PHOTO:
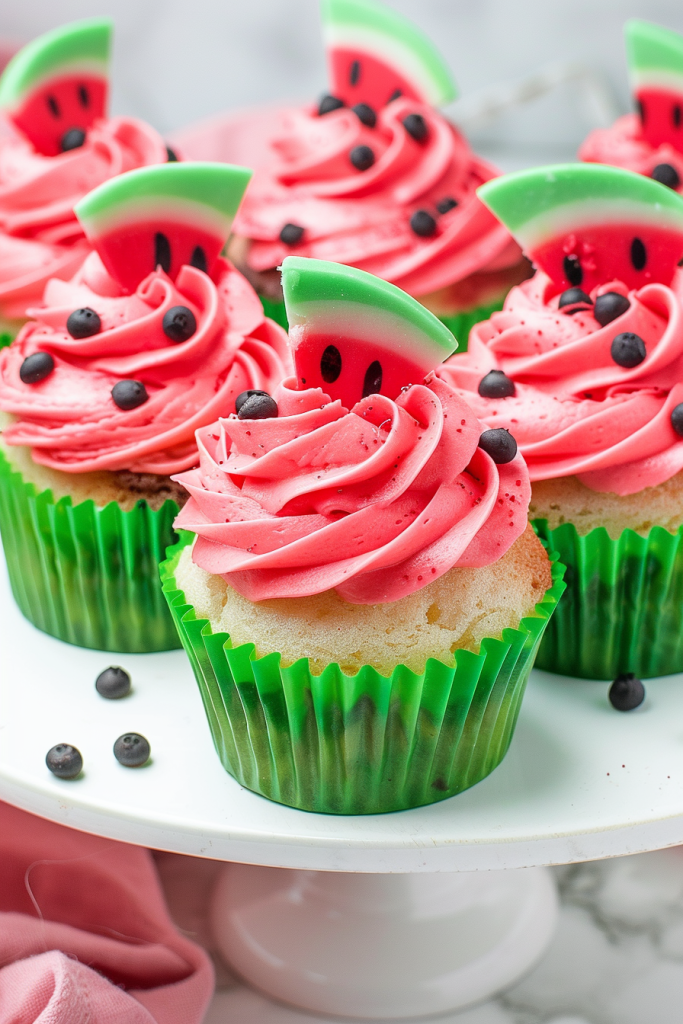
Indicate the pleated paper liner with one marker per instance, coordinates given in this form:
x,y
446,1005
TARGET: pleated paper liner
x,y
361,744
622,610
460,324
84,574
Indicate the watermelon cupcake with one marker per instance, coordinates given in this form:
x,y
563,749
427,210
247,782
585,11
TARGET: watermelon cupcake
x,y
364,597
373,176
155,336
649,142
56,145
585,366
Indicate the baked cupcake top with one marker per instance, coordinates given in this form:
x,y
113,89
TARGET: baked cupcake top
x,y
58,144
585,362
154,337
649,142
341,479
374,176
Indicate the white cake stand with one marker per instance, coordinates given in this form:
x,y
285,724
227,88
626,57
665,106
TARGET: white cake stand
x,y
384,916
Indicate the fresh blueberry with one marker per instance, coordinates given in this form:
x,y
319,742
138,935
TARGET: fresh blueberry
x,y
171,155
416,126
572,297
257,406
609,306
495,384
677,418
36,367
666,175
499,444
83,323
628,349
129,394
626,692
422,223
328,104
64,761
242,398
72,139
113,683
365,114
362,157
291,234
179,323
132,750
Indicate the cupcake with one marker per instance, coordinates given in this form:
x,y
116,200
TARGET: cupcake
x,y
56,145
649,142
358,590
585,366
374,176
155,336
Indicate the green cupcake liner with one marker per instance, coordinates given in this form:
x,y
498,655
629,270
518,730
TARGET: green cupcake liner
x,y
5,339
460,324
361,744
84,574
622,610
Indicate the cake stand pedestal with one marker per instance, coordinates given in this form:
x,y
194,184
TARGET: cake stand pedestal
x,y
382,916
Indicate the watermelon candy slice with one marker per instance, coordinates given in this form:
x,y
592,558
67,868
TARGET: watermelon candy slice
x,y
55,88
353,334
655,60
588,224
167,215
374,54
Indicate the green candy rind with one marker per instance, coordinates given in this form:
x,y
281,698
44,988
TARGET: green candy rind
x,y
654,54
362,744
546,202
202,193
332,297
385,34
82,46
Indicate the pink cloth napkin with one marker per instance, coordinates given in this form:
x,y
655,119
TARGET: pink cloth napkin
x,y
85,936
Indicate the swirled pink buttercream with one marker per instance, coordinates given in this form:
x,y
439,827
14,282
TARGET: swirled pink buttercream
x,y
70,420
40,237
375,502
623,145
363,217
576,411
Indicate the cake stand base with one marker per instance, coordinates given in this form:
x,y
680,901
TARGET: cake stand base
x,y
382,946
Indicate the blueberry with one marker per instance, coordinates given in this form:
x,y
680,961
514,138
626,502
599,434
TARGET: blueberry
x,y
129,394
626,692
677,418
628,349
36,367
64,761
83,323
132,750
609,306
241,398
496,385
499,444
446,204
328,104
416,126
291,234
113,683
666,175
171,155
572,270
179,323
572,297
258,406
362,157
72,139
422,223
365,114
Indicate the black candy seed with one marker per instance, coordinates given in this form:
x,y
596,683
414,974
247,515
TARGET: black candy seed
x,y
132,750
83,96
162,252
72,139
129,394
395,95
496,385
572,270
54,106
499,444
573,296
372,383
422,223
676,115
330,364
258,406
36,367
416,126
64,761
179,323
362,157
666,175
83,323
677,418
354,73
328,104
609,306
244,395
626,692
365,114
171,155
291,234
638,254
446,204
198,259
628,349
113,683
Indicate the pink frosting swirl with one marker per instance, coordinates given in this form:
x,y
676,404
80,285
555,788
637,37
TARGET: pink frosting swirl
x,y
623,145
70,420
576,411
40,237
362,218
375,502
